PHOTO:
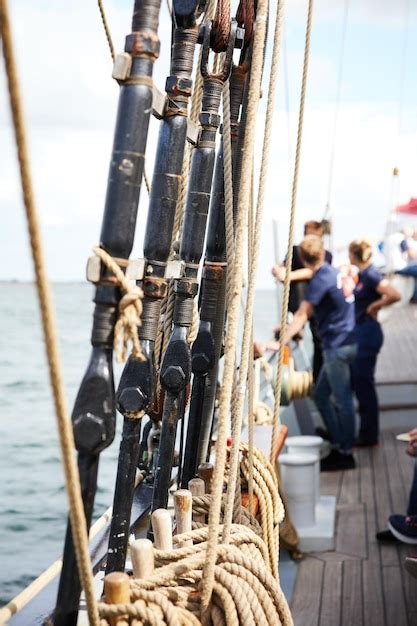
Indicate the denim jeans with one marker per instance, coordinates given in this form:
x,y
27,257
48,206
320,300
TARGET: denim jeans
x,y
412,503
370,340
334,396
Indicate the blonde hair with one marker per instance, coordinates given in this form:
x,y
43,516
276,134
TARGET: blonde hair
x,y
311,249
361,249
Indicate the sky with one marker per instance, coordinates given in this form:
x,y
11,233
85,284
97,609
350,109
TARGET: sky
x,y
70,103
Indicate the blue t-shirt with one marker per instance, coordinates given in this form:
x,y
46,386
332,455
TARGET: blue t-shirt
x,y
331,294
365,292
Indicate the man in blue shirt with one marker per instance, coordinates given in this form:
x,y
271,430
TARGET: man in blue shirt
x,y
330,298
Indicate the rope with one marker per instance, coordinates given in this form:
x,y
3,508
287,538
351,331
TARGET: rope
x,y
328,212
244,592
76,510
276,424
130,310
106,29
228,186
254,254
113,56
233,310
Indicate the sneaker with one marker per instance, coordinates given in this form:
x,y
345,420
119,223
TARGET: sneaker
x,y
404,527
323,433
337,461
386,536
410,565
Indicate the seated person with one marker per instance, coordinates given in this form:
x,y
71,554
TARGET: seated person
x,y
404,527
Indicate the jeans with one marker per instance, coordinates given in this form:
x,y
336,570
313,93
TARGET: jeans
x,y
412,503
334,397
370,340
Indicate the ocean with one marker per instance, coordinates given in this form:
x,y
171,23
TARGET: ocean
x,y
33,508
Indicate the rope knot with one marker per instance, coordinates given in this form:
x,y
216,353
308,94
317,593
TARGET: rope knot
x,y
130,311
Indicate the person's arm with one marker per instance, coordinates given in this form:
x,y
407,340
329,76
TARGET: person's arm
x,y
302,274
301,316
388,294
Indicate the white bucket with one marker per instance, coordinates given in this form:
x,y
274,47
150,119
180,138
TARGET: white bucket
x,y
307,444
298,476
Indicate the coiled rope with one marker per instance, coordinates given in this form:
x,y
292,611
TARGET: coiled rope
x,y
66,438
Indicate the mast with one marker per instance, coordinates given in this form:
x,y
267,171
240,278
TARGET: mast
x,y
94,412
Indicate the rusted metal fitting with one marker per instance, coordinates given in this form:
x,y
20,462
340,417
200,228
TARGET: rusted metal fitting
x,y
186,287
143,43
209,119
178,85
214,272
155,287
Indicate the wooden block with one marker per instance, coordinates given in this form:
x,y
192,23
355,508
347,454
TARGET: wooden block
x,y
117,591
205,471
198,488
143,561
183,513
162,529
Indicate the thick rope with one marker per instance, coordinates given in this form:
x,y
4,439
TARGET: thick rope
x,y
106,29
233,309
244,591
130,311
284,312
228,186
76,509
257,231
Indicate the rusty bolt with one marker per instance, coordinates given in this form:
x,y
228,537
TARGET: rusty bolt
x,y
209,119
178,85
173,378
143,43
131,400
89,433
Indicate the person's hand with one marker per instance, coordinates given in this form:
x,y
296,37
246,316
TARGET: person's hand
x,y
412,445
258,349
373,309
279,272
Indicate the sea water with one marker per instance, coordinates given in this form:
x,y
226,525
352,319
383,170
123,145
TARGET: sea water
x,y
33,504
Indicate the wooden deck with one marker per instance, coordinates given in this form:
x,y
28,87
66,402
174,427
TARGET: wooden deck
x,y
397,362
362,583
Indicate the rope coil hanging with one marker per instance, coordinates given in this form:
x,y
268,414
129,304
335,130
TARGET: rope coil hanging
x,y
130,310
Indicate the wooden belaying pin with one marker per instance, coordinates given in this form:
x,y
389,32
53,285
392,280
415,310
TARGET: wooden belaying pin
x,y
183,505
143,561
162,529
205,471
117,591
198,488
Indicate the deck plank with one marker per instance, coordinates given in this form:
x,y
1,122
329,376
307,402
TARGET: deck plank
x,y
306,599
349,489
352,599
331,604
350,534
397,360
394,597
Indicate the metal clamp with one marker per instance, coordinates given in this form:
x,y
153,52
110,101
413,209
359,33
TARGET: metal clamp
x,y
134,268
